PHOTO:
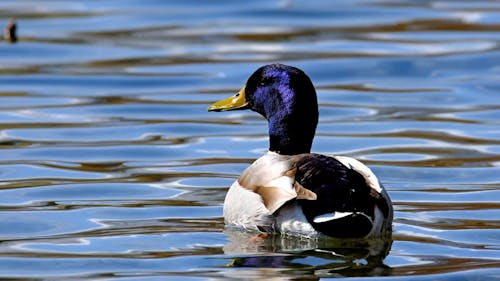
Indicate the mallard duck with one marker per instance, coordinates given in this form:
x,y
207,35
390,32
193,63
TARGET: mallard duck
x,y
290,190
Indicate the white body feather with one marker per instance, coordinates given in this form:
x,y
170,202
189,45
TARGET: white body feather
x,y
244,208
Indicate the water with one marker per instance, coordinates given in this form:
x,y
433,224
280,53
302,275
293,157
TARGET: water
x,y
112,168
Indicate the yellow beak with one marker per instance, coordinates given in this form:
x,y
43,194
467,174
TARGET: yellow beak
x,y
234,102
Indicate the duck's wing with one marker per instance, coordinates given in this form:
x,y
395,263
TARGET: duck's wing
x,y
350,200
261,190
273,178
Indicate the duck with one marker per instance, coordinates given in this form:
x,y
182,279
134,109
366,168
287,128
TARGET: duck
x,y
290,190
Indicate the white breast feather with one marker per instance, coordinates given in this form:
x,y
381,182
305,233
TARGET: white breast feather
x,y
244,208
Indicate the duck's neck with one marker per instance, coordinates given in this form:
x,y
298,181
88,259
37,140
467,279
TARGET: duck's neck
x,y
292,134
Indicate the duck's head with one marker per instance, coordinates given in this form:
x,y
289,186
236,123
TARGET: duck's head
x,y
285,96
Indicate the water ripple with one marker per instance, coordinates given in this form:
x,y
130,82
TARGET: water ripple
x,y
112,168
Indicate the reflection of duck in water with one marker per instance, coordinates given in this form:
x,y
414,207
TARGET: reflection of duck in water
x,y
311,258
290,190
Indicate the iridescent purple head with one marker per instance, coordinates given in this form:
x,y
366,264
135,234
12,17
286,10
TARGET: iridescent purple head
x,y
285,96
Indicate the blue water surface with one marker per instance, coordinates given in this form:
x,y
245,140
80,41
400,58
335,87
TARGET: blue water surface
x,y
112,168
